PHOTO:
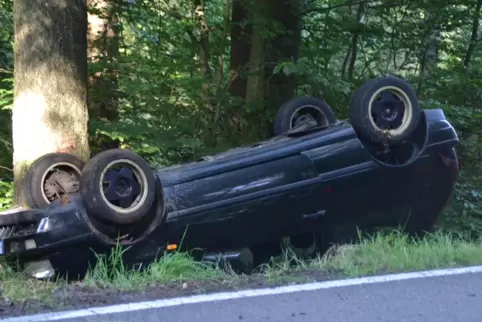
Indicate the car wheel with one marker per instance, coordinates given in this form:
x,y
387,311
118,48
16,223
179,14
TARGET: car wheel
x,y
385,110
303,110
50,178
118,186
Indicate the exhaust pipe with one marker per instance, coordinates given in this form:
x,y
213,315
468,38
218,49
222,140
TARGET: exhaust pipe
x,y
241,261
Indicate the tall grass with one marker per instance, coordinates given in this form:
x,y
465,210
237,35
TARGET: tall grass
x,y
381,253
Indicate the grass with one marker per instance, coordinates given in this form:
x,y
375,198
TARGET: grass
x,y
18,287
382,253
111,273
396,252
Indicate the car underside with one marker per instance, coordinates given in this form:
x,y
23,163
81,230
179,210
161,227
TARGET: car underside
x,y
316,184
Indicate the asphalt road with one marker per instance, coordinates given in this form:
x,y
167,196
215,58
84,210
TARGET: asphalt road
x,y
448,298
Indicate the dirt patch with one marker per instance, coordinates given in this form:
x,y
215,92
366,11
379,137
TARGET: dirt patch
x,y
76,296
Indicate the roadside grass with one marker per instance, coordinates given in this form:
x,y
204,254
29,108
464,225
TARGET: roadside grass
x,y
382,253
110,272
18,286
396,252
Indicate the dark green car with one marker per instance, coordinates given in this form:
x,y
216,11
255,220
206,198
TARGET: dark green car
x,y
389,165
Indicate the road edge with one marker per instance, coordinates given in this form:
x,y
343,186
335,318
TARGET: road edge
x,y
222,296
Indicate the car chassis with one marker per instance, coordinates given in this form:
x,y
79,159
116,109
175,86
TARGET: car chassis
x,y
307,180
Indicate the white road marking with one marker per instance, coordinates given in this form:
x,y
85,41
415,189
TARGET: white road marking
x,y
130,307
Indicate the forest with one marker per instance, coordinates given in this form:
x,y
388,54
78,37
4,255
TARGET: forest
x,y
174,80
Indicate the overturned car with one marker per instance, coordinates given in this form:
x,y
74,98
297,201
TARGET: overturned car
x,y
390,165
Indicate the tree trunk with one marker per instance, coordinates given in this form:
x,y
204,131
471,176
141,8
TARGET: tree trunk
x,y
255,82
278,88
474,35
354,40
203,42
283,47
429,58
50,110
240,47
103,44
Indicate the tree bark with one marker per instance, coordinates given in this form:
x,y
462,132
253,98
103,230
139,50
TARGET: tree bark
x,y
50,90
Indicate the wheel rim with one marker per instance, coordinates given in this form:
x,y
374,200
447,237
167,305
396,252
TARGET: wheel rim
x,y
390,110
56,175
308,114
123,186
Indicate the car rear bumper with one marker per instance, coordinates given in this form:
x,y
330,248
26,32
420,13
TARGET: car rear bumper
x,y
45,241
57,241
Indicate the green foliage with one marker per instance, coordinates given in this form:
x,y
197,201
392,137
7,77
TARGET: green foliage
x,y
175,105
465,213
6,100
162,113
6,194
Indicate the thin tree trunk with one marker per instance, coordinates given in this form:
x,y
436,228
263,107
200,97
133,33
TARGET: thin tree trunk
x,y
345,61
284,47
429,51
50,110
354,42
103,46
219,91
474,35
240,47
255,84
204,40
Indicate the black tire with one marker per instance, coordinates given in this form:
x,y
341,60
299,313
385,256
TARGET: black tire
x,y
41,188
96,202
361,109
318,108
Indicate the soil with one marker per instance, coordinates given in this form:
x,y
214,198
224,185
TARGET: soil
x,y
76,296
